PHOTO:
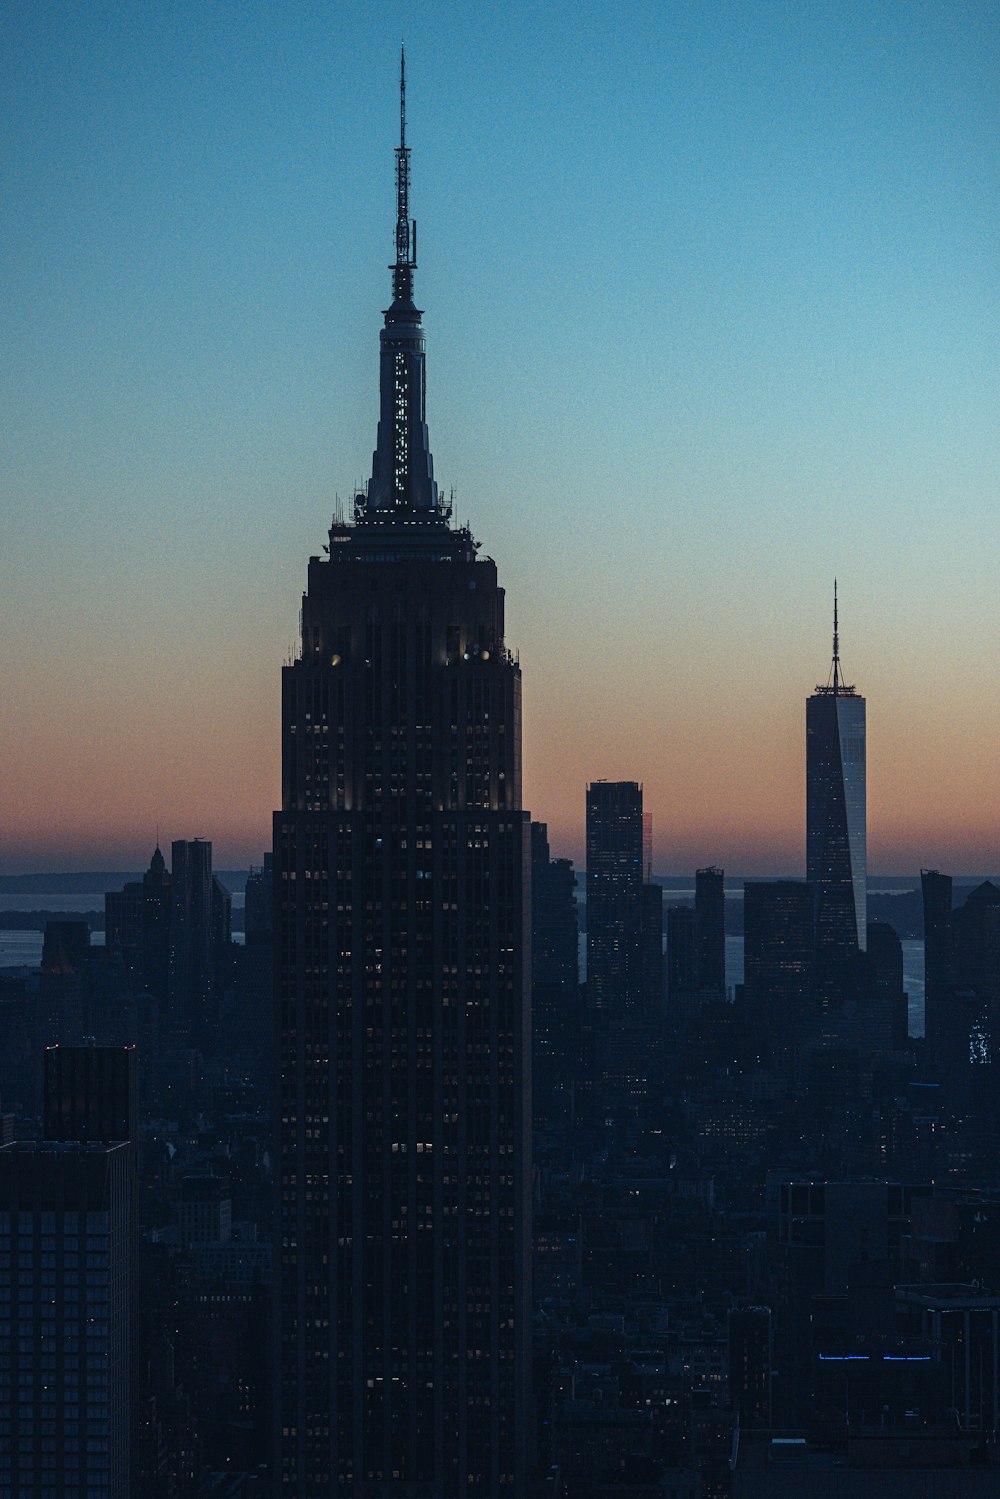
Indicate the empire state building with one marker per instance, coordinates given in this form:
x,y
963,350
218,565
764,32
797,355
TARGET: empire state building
x,y
402,1011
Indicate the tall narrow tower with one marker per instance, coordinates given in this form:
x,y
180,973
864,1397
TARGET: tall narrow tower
x,y
402,983
836,854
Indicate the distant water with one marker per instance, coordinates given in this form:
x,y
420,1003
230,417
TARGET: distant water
x,y
90,900
24,949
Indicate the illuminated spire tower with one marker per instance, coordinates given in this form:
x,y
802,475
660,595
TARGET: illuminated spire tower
x,y
402,480
836,856
402,1014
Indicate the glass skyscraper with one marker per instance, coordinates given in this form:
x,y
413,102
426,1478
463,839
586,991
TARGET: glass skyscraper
x,y
836,838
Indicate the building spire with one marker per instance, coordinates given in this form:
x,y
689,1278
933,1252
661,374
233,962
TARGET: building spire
x,y
402,485
406,229
835,684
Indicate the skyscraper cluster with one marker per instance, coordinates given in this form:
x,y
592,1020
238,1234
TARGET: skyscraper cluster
x,y
383,1201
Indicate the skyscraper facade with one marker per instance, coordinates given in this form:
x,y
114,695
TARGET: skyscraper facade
x,y
191,980
402,1009
836,840
614,900
555,976
778,964
66,1307
710,929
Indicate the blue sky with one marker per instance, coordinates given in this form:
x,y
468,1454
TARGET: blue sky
x,y
711,301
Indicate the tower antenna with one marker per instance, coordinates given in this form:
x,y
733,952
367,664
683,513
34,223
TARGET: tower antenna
x,y
836,643
406,247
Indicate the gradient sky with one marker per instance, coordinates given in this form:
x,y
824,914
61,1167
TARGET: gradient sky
x,y
711,300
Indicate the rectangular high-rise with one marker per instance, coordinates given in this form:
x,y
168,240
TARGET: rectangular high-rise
x,y
614,901
555,977
836,839
90,1093
403,1032
779,963
191,981
710,930
66,1308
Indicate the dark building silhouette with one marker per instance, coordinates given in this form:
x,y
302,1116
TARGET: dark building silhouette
x,y
191,984
401,857
248,1029
836,857
90,1096
962,979
710,929
259,900
614,900
137,929
65,947
156,906
749,1348
977,970
123,912
939,933
200,938
554,922
778,963
977,943
681,950
65,1233
90,1093
652,951
885,979
555,978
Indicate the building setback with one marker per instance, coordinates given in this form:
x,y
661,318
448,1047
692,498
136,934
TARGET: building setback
x,y
402,1012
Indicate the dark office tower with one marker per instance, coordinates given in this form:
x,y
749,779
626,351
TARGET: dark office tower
x,y
749,1342
614,900
939,932
123,926
836,859
778,962
90,1096
65,947
944,1015
401,858
710,929
156,928
652,951
258,906
884,980
681,950
192,933
66,1298
554,924
555,977
977,943
647,847
90,1093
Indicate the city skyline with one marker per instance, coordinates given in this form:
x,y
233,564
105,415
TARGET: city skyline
x,y
738,294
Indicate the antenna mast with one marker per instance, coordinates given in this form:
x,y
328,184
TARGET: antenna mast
x,y
836,644
406,247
